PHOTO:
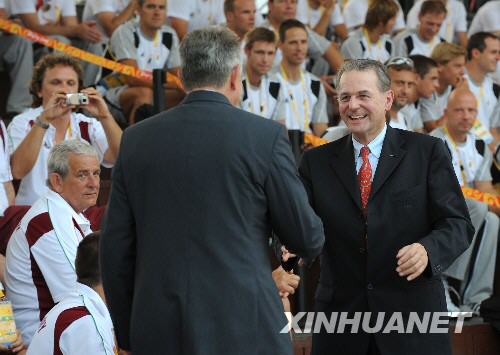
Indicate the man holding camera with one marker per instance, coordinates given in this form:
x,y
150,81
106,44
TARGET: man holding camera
x,y
52,120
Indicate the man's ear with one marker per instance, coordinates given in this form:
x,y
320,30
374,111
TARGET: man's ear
x,y
389,100
235,77
56,182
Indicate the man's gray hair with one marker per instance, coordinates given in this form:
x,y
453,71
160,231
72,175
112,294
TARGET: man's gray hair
x,y
208,55
58,161
383,82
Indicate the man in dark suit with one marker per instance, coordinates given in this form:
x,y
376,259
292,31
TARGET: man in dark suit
x,y
394,218
196,192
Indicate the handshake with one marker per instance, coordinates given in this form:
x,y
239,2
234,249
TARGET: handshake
x,y
284,278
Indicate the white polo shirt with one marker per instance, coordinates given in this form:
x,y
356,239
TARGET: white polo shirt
x,y
355,14
79,324
302,105
33,184
198,13
95,7
486,99
267,100
50,12
409,43
358,46
400,123
5,173
486,18
311,17
39,268
455,21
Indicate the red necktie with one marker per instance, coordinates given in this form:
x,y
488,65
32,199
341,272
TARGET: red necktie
x,y
365,177
39,4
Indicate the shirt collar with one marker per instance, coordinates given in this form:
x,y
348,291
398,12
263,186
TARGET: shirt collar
x,y
62,203
375,145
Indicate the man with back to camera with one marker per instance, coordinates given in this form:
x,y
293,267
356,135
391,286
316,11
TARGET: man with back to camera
x,y
196,235
394,216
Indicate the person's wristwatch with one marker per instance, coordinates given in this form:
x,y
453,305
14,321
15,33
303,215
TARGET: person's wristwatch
x,y
39,123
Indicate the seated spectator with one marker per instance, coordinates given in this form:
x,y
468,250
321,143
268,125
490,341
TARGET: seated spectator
x,y
262,92
40,260
454,27
57,18
471,163
427,82
188,15
483,52
372,41
147,44
52,120
424,38
324,17
16,53
451,65
355,15
7,194
108,15
402,74
240,16
80,323
305,96
318,46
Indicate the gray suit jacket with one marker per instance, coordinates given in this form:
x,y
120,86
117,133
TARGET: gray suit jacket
x,y
184,252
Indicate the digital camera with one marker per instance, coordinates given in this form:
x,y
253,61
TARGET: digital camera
x,y
77,99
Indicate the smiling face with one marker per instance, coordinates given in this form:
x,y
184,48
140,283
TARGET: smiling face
x,y
430,24
403,85
80,187
362,105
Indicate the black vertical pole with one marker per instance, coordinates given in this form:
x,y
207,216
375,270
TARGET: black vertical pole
x,y
158,91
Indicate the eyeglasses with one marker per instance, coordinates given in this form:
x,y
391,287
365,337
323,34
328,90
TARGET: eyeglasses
x,y
399,61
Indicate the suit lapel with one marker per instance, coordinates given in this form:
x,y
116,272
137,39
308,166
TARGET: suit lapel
x,y
342,163
390,157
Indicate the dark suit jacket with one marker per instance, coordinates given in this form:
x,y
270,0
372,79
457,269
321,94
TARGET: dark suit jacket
x,y
415,197
185,255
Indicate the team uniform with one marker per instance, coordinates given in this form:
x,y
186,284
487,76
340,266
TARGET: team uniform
x,y
486,18
40,260
198,13
95,7
455,21
311,17
266,100
412,114
50,11
432,108
5,173
128,42
471,162
400,123
355,13
305,101
359,46
409,43
81,127
79,324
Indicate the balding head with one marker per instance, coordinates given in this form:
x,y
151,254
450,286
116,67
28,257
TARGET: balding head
x,y
461,111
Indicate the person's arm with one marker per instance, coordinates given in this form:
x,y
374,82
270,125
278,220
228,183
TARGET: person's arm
x,y
180,26
462,38
86,30
319,117
340,31
98,108
333,57
328,50
25,155
324,21
9,191
110,21
452,230
291,216
117,254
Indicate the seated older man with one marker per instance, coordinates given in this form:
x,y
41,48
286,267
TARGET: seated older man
x,y
40,265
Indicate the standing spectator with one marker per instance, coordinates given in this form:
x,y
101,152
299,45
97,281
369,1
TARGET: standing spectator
x,y
305,96
372,41
52,120
425,37
454,26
